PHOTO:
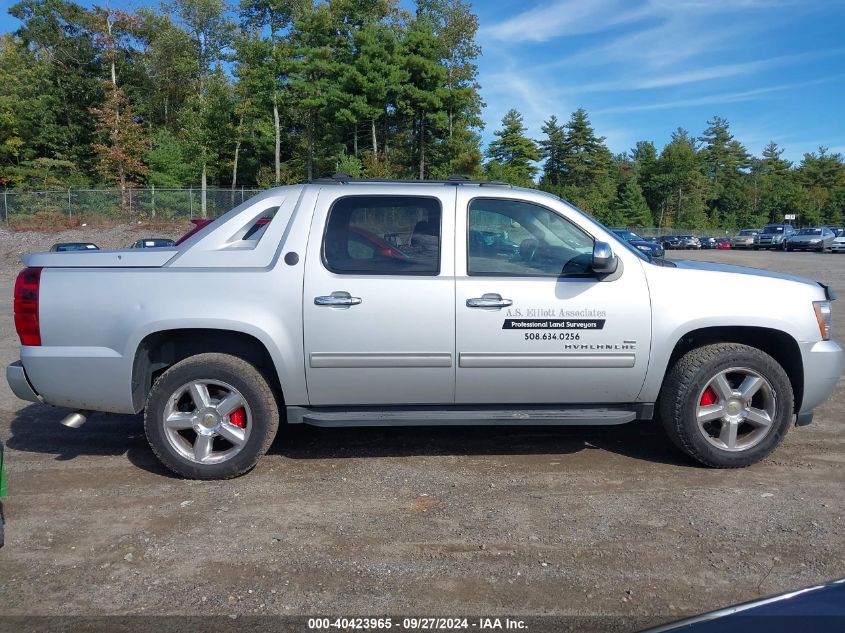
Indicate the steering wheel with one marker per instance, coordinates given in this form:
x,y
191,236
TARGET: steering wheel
x,y
528,249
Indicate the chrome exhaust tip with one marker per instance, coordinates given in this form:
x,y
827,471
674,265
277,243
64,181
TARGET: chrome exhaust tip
x,y
77,419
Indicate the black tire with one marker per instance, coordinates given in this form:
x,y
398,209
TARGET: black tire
x,y
691,374
244,377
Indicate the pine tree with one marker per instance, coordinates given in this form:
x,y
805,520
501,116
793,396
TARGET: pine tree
x,y
586,177
263,55
630,208
821,173
373,81
773,190
552,150
644,155
423,94
726,163
456,26
681,183
512,154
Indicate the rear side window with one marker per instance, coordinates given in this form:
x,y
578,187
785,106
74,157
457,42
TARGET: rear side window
x,y
383,235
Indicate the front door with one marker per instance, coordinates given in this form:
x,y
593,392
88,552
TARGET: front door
x,y
379,302
534,325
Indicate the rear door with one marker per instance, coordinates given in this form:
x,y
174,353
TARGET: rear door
x,y
379,297
534,325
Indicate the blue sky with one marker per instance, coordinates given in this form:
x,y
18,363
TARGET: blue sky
x,y
774,68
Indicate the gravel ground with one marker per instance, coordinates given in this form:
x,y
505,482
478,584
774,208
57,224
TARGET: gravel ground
x,y
580,521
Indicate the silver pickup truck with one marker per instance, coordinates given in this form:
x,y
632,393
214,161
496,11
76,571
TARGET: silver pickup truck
x,y
352,303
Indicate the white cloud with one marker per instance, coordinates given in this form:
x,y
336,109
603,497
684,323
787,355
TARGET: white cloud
x,y
560,18
649,81
728,97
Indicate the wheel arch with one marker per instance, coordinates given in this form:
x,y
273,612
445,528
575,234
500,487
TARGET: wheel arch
x,y
161,349
776,343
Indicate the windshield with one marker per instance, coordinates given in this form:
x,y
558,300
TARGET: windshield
x,y
627,235
768,230
747,232
810,232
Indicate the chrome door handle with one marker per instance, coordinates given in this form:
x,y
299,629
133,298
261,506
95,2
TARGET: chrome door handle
x,y
489,301
337,299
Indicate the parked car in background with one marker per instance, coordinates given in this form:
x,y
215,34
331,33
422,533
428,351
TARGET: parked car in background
x,y
649,248
723,243
744,239
774,236
689,241
65,247
816,238
155,242
198,224
671,242
707,242
838,245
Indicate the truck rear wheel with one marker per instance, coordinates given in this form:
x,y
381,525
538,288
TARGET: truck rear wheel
x,y
211,416
726,405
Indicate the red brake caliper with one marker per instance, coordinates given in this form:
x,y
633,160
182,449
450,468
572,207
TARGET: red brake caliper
x,y
238,418
708,397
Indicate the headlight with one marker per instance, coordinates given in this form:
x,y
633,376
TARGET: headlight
x,y
643,247
824,316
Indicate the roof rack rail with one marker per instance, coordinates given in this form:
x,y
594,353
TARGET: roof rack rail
x,y
455,179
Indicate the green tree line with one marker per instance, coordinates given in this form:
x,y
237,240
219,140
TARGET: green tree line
x,y
266,92
711,181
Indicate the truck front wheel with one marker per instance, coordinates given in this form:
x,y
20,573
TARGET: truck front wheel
x,y
211,416
726,405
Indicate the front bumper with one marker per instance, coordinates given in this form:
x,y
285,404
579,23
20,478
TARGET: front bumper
x,y
19,383
823,365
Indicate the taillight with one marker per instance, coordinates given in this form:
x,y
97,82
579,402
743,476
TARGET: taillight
x,y
26,306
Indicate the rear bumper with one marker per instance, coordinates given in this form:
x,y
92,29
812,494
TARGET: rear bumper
x,y
823,365
19,383
93,378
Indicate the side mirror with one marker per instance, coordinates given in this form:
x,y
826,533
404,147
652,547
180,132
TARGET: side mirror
x,y
604,261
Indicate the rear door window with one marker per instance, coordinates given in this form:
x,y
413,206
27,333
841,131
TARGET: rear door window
x,y
383,235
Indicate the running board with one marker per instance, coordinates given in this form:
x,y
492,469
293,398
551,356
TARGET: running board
x,y
467,416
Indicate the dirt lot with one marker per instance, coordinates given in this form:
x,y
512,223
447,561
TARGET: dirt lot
x,y
426,521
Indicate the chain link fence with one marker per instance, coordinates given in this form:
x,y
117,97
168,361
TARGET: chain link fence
x,y
154,204
120,206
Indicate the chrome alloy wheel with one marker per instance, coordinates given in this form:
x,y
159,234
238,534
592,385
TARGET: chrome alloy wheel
x,y
207,421
736,409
